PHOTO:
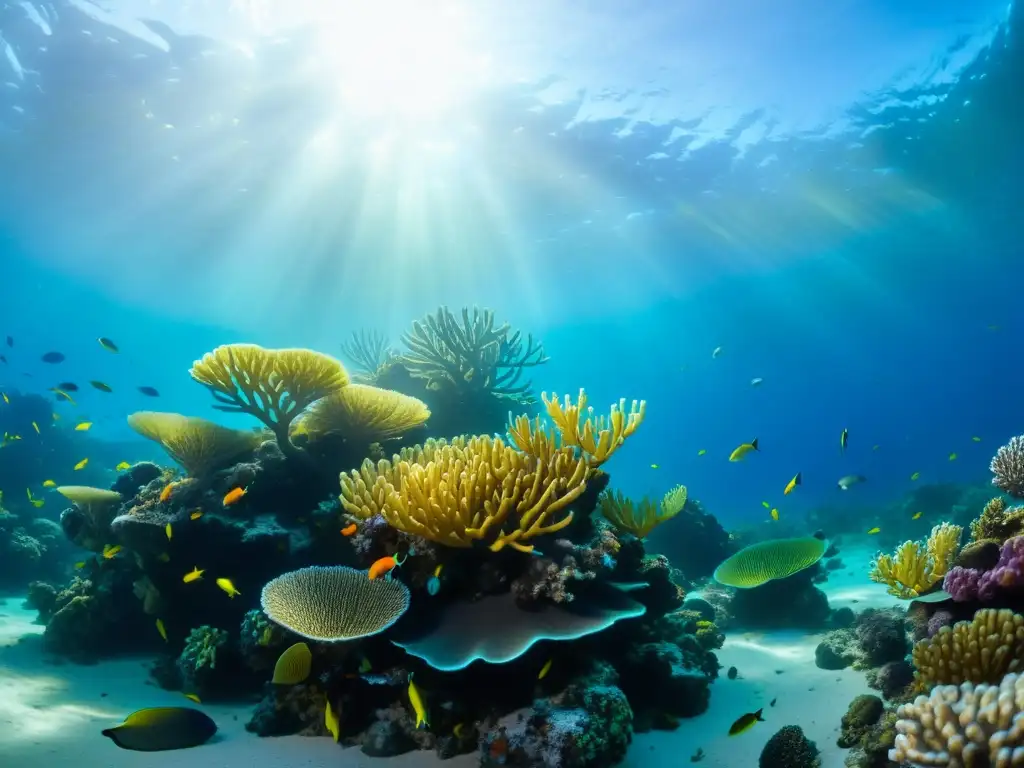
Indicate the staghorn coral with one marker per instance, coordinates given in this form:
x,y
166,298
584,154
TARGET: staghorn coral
x,y
597,438
274,385
642,518
978,651
198,445
769,560
998,522
467,491
1007,467
916,568
963,726
334,604
371,353
362,414
471,355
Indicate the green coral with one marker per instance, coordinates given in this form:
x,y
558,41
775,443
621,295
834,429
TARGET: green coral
x,y
202,646
863,713
708,635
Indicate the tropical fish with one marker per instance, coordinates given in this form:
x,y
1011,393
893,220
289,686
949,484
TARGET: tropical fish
x,y
697,756
797,479
101,386
233,496
917,516
459,730
350,529
775,514
107,344
757,381
654,466
6,398
161,629
847,482
702,451
766,505
53,357
874,530
976,439
772,702
167,531
844,438
162,728
915,476
228,587
82,464
952,457
331,720
33,500
716,352
192,697
149,391
60,393
123,466
36,428
745,722
875,447
732,673
383,566
165,494
80,565
196,515
49,484
545,669
743,449
83,426
194,575
417,705
110,552
293,665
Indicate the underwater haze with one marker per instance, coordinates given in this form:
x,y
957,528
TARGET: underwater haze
x,y
792,222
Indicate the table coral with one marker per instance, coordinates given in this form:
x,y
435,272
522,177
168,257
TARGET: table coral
x,y
978,651
198,445
362,414
915,568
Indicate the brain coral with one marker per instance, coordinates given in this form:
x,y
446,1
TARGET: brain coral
x,y
334,604
767,560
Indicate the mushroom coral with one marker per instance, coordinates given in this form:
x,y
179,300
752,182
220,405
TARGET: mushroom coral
x,y
198,445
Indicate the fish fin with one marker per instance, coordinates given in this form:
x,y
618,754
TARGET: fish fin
x,y
753,444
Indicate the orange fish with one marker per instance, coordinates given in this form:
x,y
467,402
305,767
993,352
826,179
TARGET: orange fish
x,y
165,494
233,495
384,566
348,530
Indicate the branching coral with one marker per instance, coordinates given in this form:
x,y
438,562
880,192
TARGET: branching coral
x,y
370,352
998,522
472,354
978,651
363,414
479,489
965,725
198,445
596,437
640,519
916,568
274,385
1008,467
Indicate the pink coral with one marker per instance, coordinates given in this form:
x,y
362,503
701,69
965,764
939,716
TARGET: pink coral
x,y
1008,467
967,584
962,583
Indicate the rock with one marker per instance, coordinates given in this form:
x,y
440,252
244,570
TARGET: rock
x,y
863,712
837,650
385,738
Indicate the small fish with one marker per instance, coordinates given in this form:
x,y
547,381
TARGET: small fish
x,y
654,466
874,447
53,357
716,352
49,484
545,669
67,386
743,449
62,395
915,476
459,730
83,426
874,530
917,516
6,398
757,381
365,666
110,552
228,587
745,722
149,391
163,557
844,439
82,464
161,728
196,515
194,575
36,428
123,466
55,415
331,720
348,530
772,702
265,637
433,584
101,386
775,514
976,439
417,705
165,494
33,500
952,457
697,756
107,344
192,697
766,505
80,565
383,566
233,496
702,451
161,629
847,482
732,673
797,479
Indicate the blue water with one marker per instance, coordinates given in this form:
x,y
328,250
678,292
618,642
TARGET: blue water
x,y
829,195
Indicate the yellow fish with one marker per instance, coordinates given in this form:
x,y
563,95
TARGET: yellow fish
x,y
702,451
167,531
976,439
331,721
228,587
743,449
80,565
915,476
293,665
437,571
163,557
49,484
459,730
745,722
654,466
194,575
83,426
165,494
37,503
6,398
775,514
195,515
766,505
110,552
161,629
64,395
545,669
952,457
265,637
417,705
917,516
874,530
82,464
123,466
36,428
192,697
797,479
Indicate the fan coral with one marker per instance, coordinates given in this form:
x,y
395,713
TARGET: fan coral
x,y
198,445
471,355
768,560
965,725
467,491
1008,467
334,604
274,385
998,522
370,352
362,414
916,568
978,651
642,518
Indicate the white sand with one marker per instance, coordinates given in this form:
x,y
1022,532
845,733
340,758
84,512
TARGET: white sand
x,y
52,715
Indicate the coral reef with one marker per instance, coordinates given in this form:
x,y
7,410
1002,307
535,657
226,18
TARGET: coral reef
x,y
789,748
981,650
788,602
1007,467
837,650
639,519
882,636
864,711
1005,577
696,542
997,522
893,679
915,568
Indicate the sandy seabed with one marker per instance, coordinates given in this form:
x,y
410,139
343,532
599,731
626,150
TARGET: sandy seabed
x,y
51,715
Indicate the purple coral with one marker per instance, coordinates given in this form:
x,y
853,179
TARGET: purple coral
x,y
939,620
962,583
1008,573
1008,467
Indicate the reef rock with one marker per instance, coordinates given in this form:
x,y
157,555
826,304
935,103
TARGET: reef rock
x,y
838,650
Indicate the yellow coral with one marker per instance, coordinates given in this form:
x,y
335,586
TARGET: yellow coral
x,y
363,414
978,651
915,567
641,518
198,445
274,385
998,522
473,490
